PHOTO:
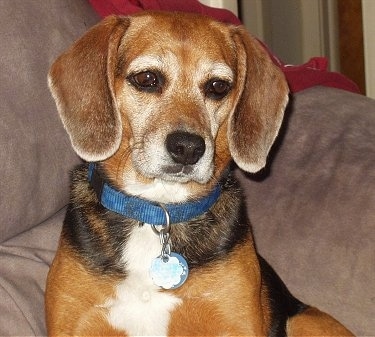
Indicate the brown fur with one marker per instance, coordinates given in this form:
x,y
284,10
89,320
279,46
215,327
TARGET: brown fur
x,y
313,322
237,272
102,112
73,300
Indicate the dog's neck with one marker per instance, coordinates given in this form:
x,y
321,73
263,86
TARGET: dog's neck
x,y
147,211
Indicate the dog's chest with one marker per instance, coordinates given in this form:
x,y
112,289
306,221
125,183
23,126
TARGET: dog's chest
x,y
140,308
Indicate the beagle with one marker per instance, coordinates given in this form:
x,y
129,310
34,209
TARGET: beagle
x,y
156,239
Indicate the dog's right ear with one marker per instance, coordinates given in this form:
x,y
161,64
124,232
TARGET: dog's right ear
x,y
82,83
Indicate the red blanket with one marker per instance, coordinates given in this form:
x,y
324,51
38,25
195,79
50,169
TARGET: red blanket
x,y
310,74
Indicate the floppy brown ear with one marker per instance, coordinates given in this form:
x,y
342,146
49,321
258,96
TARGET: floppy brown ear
x,y
82,83
263,95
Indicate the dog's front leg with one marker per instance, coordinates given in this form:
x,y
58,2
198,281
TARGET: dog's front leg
x,y
223,299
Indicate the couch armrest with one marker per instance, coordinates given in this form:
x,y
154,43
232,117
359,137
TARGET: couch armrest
x,y
35,153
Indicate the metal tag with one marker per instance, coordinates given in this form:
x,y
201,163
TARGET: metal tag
x,y
169,271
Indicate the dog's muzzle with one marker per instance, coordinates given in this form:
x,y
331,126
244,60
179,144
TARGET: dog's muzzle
x,y
178,156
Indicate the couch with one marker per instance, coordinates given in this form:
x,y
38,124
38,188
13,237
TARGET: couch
x,y
312,208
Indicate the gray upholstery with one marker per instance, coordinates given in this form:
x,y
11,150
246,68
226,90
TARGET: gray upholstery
x,y
314,214
35,153
313,210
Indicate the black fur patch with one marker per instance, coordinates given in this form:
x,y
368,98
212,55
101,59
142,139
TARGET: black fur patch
x,y
214,234
99,235
282,303
95,234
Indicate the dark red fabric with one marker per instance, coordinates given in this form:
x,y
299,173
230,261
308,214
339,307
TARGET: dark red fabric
x,y
315,73
300,77
128,7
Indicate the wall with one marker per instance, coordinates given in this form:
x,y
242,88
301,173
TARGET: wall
x,y
283,35
228,4
368,13
295,30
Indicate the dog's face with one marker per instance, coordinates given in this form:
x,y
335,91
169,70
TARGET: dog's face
x,y
174,98
165,101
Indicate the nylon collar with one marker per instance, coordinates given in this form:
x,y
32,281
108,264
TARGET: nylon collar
x,y
146,211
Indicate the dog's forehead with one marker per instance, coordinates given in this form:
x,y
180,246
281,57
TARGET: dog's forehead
x,y
183,34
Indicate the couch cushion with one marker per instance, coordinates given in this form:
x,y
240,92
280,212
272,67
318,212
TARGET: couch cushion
x,y
313,211
35,153
24,263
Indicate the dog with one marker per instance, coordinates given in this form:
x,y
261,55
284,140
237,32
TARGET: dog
x,y
156,240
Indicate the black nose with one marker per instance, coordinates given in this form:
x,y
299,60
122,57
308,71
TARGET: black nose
x,y
184,147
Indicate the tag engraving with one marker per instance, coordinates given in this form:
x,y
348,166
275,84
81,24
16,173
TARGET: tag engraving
x,y
169,271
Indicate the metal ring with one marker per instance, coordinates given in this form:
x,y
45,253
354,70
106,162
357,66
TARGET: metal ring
x,y
167,226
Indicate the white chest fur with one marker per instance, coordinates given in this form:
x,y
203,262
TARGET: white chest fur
x,y
140,309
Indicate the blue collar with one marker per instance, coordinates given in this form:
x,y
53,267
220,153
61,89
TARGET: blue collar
x,y
146,211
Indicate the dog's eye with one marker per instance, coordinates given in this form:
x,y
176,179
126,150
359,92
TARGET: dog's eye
x,y
217,89
146,81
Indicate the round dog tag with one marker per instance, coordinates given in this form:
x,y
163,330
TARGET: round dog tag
x,y
170,271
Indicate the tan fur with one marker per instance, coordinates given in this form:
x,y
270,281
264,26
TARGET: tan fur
x,y
215,307
314,322
109,121
73,300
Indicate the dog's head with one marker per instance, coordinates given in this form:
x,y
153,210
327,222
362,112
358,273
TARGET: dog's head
x,y
164,101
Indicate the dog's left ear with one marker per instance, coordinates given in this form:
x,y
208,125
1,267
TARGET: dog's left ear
x,y
262,98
